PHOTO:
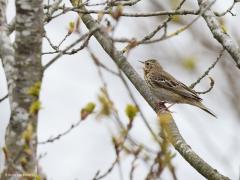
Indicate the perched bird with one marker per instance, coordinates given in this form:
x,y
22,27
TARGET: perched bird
x,y
165,87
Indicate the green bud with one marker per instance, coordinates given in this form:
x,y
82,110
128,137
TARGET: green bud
x,y
189,63
88,109
131,111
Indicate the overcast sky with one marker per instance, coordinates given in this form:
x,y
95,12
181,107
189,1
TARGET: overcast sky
x,y
73,81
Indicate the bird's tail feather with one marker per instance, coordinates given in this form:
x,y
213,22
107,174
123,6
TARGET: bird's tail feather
x,y
204,108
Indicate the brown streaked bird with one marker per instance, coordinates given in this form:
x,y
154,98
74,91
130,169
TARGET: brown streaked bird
x,y
165,87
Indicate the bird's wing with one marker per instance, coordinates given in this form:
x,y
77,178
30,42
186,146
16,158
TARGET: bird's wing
x,y
165,80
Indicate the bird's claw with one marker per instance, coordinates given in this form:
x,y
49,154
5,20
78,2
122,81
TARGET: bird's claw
x,y
161,105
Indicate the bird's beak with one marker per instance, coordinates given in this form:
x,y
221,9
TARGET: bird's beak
x,y
141,62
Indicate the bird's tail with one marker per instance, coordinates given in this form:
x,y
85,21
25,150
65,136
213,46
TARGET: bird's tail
x,y
201,106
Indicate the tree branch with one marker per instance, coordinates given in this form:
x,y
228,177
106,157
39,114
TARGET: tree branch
x,y
6,49
173,133
3,98
218,33
208,70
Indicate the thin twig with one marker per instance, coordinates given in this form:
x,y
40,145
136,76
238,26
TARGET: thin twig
x,y
208,70
209,89
3,98
118,148
87,35
60,135
137,105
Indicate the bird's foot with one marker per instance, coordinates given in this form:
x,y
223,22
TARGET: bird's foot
x,y
161,105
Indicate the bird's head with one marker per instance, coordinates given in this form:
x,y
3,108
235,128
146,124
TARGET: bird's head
x,y
150,65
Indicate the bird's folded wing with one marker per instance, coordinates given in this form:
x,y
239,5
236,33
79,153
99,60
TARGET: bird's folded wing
x,y
169,82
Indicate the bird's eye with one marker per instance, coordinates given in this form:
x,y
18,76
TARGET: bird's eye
x,y
147,64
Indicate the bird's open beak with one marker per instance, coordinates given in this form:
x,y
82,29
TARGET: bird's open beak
x,y
141,62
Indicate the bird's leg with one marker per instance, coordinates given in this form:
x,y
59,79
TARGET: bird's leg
x,y
161,105
170,105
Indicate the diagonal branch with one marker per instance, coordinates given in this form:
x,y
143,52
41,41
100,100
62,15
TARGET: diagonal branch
x,y
173,133
219,34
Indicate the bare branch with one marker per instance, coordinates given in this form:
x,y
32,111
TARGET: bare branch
x,y
140,112
209,89
219,34
60,135
51,9
3,98
87,35
142,14
208,70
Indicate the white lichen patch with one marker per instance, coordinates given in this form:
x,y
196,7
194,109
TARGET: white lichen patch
x,y
189,151
26,33
14,105
25,6
20,19
20,114
12,134
20,142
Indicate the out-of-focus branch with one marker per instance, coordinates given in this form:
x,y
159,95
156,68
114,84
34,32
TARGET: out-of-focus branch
x,y
232,92
3,98
172,131
60,135
219,34
116,116
119,146
229,10
127,3
51,9
159,27
177,32
61,53
85,112
142,14
156,138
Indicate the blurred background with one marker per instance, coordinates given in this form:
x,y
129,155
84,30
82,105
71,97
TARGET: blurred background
x,y
74,80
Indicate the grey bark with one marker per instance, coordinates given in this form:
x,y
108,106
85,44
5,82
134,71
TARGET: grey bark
x,y
6,49
23,70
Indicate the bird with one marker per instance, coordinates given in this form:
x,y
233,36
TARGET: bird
x,y
168,89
